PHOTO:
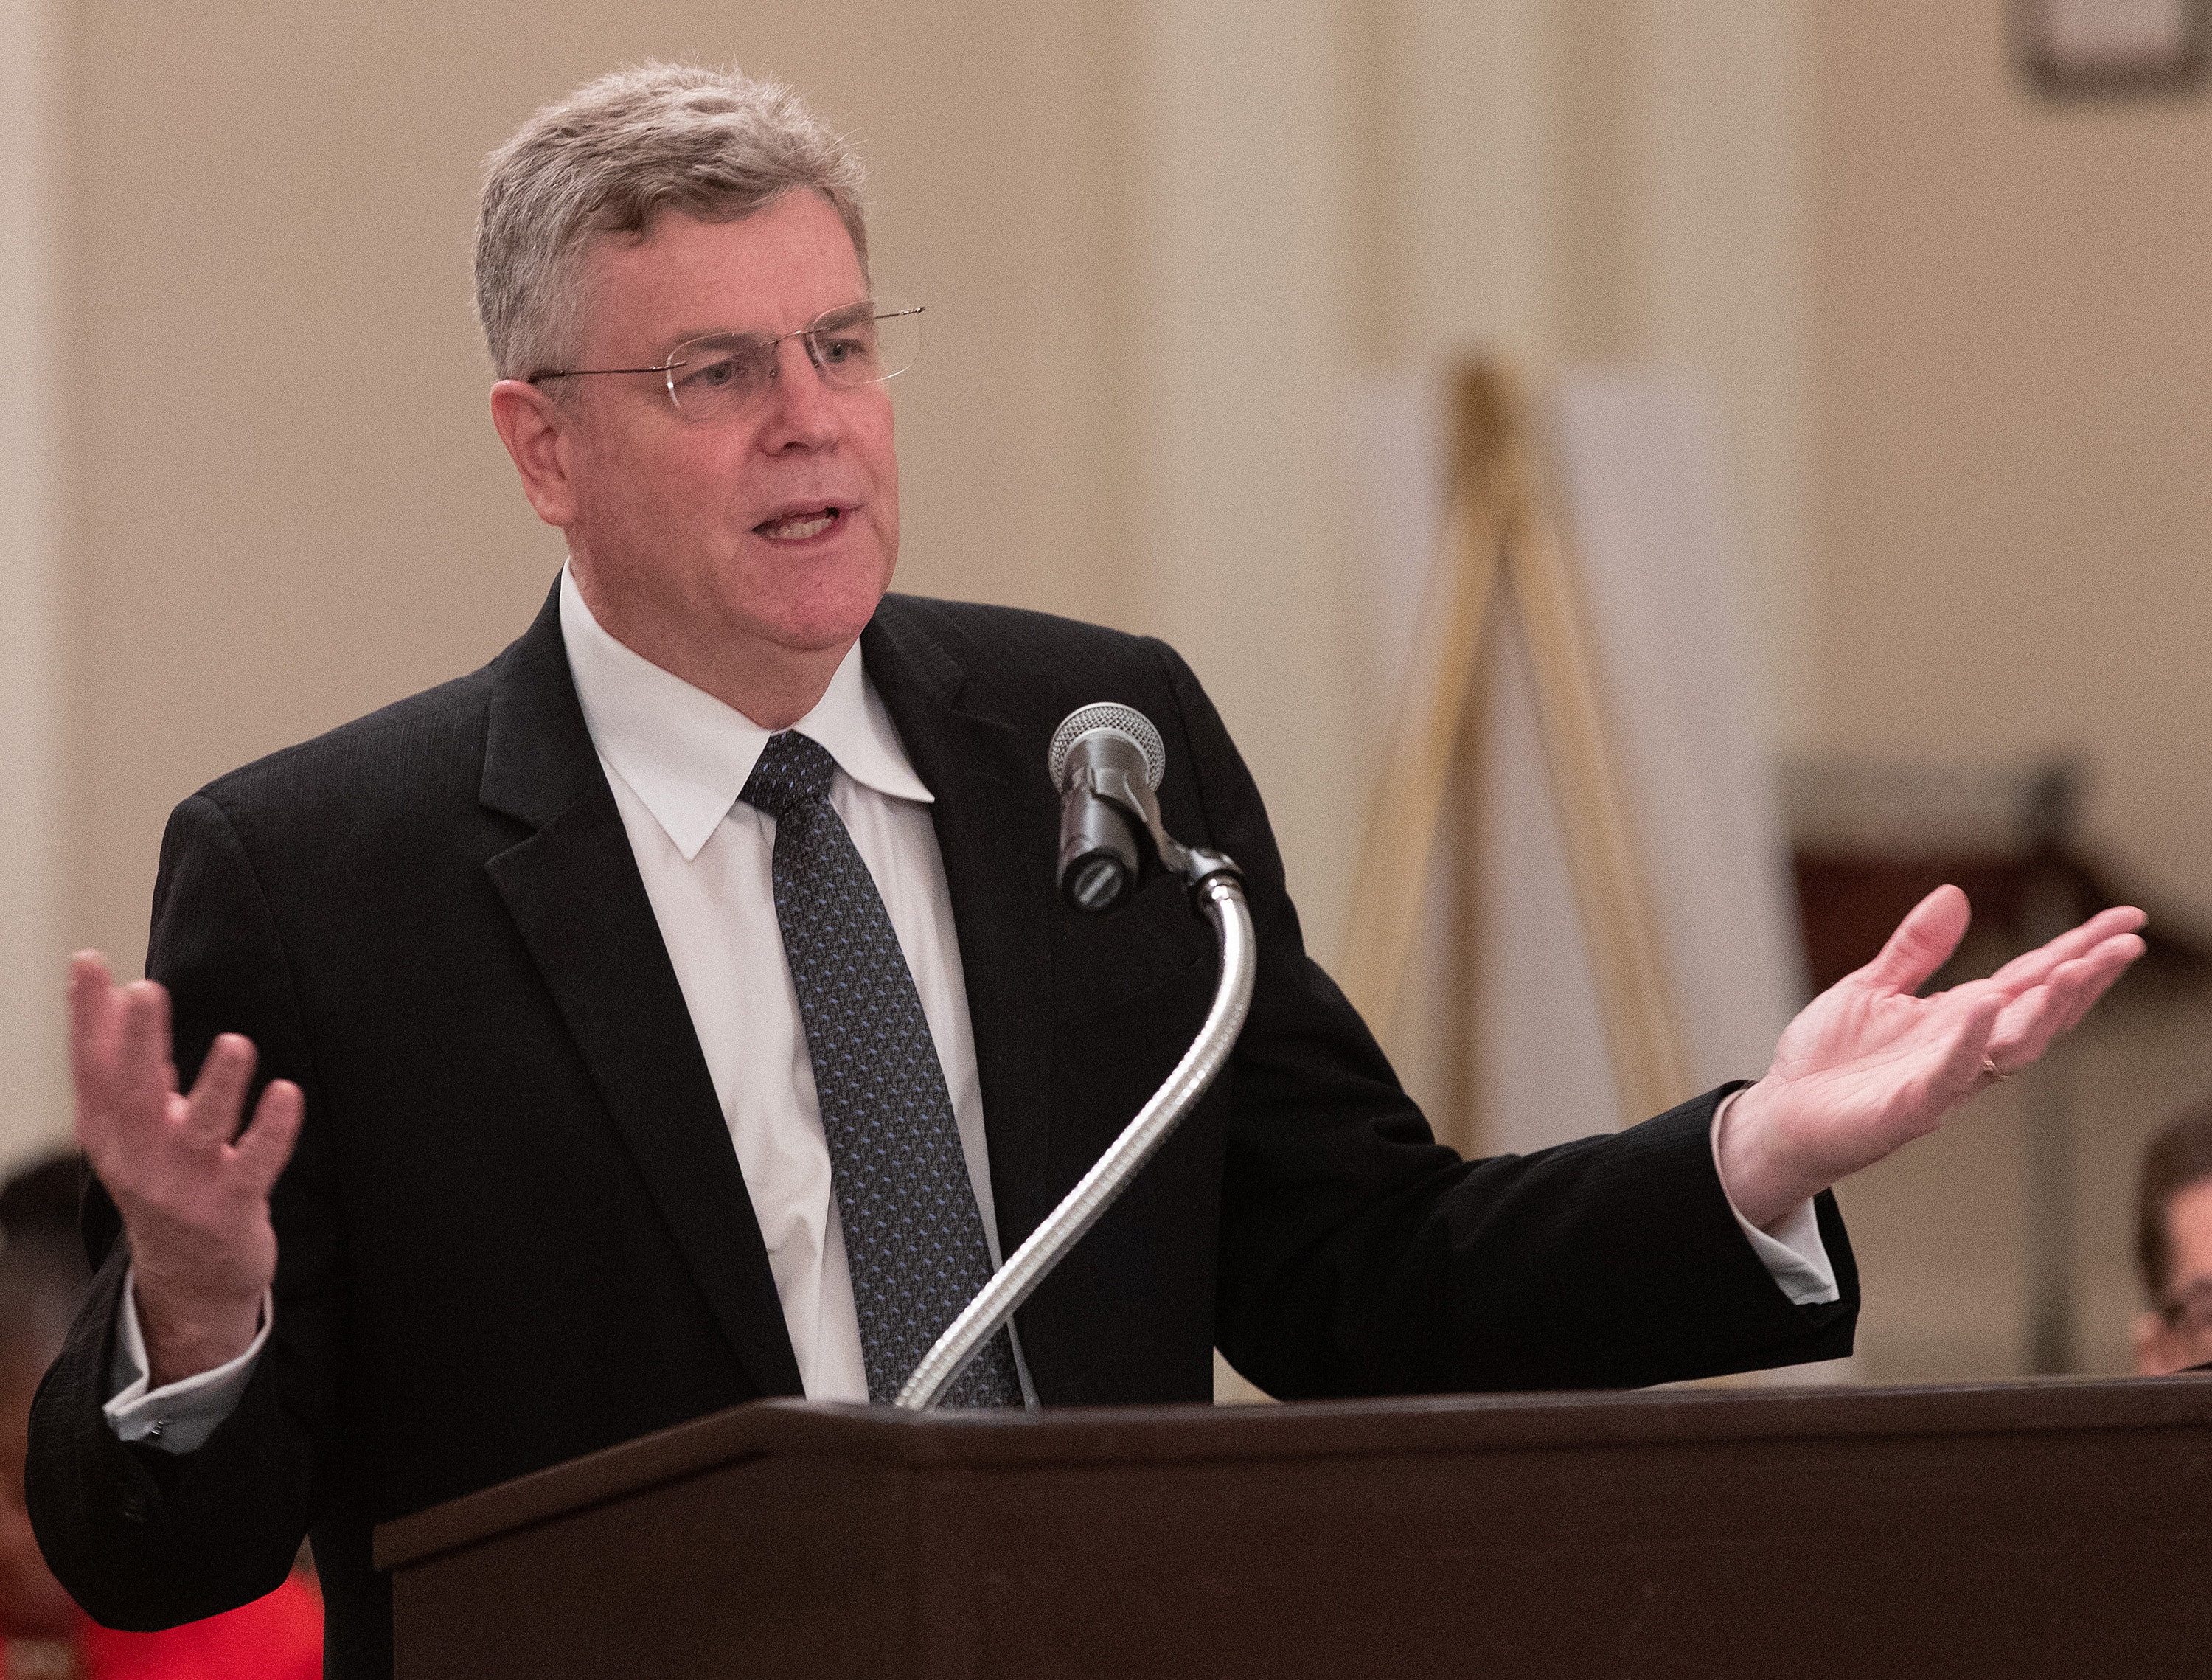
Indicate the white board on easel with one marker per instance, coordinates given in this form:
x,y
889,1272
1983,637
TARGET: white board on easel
x,y
1635,464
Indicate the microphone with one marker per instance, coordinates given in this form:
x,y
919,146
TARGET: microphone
x,y
1106,760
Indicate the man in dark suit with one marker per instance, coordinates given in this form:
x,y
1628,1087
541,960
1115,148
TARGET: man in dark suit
x,y
565,1132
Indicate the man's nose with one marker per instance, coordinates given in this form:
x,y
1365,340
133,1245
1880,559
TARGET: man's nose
x,y
802,408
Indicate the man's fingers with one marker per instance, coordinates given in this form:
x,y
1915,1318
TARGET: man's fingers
x,y
219,1094
2040,1014
2078,984
2107,963
2028,1025
1923,941
267,1144
95,1028
1970,1042
143,1076
2033,967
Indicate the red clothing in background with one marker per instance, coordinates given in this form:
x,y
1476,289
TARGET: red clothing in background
x,y
277,1638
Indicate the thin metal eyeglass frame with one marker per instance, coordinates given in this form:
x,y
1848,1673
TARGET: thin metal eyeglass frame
x,y
2191,1311
667,370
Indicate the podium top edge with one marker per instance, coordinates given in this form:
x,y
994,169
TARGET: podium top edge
x,y
1458,1424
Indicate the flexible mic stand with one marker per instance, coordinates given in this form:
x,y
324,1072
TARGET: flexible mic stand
x,y
1105,762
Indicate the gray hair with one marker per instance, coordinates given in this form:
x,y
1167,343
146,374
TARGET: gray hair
x,y
606,159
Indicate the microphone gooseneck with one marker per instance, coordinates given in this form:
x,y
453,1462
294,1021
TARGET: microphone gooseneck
x,y
1106,760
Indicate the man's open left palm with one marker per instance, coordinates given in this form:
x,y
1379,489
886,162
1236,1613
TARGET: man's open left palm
x,y
1869,1065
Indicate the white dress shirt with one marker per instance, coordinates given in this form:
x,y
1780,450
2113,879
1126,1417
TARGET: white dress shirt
x,y
676,759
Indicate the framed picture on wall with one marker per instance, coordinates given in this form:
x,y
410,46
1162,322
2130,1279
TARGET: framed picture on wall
x,y
2072,49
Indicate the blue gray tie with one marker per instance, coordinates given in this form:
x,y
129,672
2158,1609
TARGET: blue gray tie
x,y
913,1237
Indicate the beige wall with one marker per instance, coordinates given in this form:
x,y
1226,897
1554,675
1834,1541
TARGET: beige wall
x,y
2014,431
33,451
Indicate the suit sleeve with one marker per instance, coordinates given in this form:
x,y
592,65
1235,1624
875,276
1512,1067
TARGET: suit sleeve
x,y
1360,1256
143,1539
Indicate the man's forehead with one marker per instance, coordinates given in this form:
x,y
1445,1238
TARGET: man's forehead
x,y
792,255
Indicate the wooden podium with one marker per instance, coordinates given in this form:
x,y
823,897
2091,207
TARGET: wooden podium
x,y
2057,1528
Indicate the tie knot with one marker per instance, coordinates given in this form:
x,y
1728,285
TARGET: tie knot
x,y
793,774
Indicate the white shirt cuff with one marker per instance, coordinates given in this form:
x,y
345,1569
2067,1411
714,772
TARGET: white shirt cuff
x,y
180,1417
1791,1249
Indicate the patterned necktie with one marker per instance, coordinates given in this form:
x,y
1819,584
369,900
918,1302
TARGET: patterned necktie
x,y
913,1237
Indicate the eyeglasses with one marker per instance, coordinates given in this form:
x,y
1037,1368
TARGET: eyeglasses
x,y
2190,1312
719,375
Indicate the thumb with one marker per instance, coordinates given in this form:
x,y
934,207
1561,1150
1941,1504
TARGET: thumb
x,y
1923,943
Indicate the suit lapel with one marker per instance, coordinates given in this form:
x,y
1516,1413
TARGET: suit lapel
x,y
573,889
997,825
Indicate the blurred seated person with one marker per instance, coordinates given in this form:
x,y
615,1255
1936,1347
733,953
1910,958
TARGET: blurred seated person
x,y
42,1634
2173,1245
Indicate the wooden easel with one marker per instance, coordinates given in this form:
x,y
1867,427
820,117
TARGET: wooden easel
x,y
1500,520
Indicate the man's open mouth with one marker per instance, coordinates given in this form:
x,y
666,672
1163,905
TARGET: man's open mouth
x,y
798,528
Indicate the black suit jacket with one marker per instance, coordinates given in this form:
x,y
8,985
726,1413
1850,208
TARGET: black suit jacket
x,y
516,1231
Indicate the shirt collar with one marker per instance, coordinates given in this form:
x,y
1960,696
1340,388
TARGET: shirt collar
x,y
687,755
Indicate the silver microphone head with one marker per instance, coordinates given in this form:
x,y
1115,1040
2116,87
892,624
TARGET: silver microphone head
x,y
1106,717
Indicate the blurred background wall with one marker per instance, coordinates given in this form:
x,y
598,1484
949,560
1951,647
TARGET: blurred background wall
x,y
248,489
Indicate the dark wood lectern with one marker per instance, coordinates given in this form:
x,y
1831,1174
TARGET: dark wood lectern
x,y
2058,1529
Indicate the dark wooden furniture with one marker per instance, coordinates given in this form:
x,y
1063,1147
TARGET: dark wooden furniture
x,y
2058,1528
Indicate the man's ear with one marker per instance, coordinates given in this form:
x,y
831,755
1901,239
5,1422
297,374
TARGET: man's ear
x,y
540,435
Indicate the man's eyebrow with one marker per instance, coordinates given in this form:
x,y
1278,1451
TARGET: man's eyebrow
x,y
835,310
676,341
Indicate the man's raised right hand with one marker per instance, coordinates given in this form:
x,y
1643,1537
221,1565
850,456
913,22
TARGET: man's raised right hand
x,y
193,1189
